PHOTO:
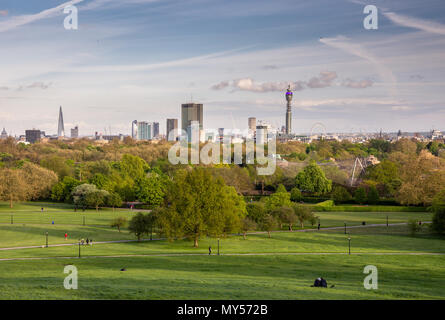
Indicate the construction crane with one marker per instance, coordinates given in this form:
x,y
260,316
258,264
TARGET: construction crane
x,y
363,166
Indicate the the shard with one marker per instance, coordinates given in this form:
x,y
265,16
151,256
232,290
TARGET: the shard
x,y
61,127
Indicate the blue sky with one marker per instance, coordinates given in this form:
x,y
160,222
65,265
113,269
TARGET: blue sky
x,y
140,59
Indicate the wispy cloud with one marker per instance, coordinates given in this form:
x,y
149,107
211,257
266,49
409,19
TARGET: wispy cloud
x,y
4,13
416,23
18,21
343,43
360,84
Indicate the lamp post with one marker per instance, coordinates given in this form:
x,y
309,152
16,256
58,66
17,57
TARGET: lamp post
x,y
84,220
47,239
79,248
12,219
349,240
218,246
345,227
387,224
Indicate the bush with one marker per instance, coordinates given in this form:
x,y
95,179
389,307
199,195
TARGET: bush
x,y
373,195
414,227
360,195
295,195
438,224
340,195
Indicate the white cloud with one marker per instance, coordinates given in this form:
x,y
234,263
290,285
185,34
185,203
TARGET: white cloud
x,y
18,21
421,24
360,84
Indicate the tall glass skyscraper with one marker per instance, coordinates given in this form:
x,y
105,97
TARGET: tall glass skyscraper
x,y
191,112
61,126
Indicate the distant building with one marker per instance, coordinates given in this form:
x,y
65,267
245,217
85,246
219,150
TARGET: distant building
x,y
75,132
33,136
172,129
436,134
155,129
61,126
134,129
4,134
261,134
252,124
191,112
145,130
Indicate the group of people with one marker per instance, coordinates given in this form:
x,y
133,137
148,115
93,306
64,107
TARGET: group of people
x,y
88,242
320,282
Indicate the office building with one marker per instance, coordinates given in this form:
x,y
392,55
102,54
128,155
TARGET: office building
x,y
145,130
252,124
172,129
191,112
33,136
155,130
75,132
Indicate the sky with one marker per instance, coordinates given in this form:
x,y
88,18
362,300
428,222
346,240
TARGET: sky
x,y
141,59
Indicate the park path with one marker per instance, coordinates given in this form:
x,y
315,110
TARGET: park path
x,y
237,234
234,254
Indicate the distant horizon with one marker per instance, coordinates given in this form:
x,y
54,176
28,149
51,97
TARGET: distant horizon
x,y
141,59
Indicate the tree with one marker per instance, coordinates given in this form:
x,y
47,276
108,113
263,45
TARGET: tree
x,y
287,215
438,223
39,180
96,198
373,195
360,195
256,211
340,195
277,200
295,194
152,189
198,204
139,225
80,192
414,227
113,200
312,179
280,188
118,223
269,223
63,189
14,186
247,224
303,213
386,173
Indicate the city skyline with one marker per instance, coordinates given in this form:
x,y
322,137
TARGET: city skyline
x,y
127,61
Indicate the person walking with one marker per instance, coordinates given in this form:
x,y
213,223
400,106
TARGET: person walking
x,y
318,226
66,236
210,250
88,241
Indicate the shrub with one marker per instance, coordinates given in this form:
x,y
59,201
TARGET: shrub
x,y
360,195
340,195
414,227
373,195
295,195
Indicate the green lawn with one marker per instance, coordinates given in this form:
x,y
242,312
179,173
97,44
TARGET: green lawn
x,y
226,277
277,275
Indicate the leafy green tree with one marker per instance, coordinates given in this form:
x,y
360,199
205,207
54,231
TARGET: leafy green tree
x,y
134,167
438,223
96,198
414,227
295,194
256,211
152,189
303,213
118,223
278,199
385,173
79,194
269,223
340,195
287,216
360,195
199,204
373,195
280,188
247,224
139,225
113,200
312,179
13,186
63,189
